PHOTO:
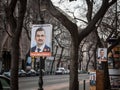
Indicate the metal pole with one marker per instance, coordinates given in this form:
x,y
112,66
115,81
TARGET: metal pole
x,y
84,85
116,18
40,75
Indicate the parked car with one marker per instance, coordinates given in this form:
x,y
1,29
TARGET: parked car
x,y
21,73
4,83
67,71
31,72
7,74
60,70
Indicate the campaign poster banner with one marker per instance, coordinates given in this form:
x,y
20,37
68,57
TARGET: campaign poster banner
x,y
41,40
102,54
101,57
92,78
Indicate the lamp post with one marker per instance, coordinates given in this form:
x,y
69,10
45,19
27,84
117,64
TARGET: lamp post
x,y
42,9
41,74
41,63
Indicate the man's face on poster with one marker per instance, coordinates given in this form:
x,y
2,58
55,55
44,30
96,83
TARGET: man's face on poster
x,y
40,37
102,53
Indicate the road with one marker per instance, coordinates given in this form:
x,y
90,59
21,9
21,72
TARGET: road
x,y
51,82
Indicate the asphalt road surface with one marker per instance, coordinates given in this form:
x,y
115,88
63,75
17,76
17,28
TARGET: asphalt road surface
x,y
50,82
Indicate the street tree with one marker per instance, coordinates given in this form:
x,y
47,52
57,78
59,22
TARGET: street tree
x,y
78,35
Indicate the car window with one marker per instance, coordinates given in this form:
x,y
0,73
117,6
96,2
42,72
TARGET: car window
x,y
5,84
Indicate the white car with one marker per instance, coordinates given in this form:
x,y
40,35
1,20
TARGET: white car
x,y
31,72
7,74
67,71
21,73
60,70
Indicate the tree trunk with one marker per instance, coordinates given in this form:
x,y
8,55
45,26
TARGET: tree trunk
x,y
113,59
58,64
100,80
74,83
107,85
80,61
54,59
16,28
88,61
95,57
14,64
